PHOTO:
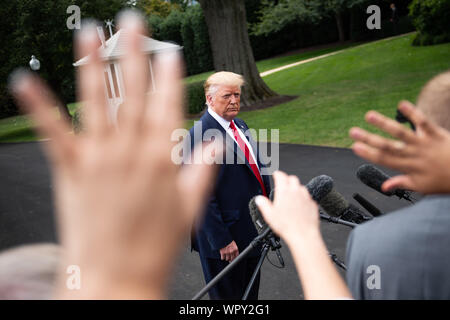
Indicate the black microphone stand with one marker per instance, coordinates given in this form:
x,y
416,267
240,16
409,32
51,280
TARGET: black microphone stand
x,y
326,217
260,239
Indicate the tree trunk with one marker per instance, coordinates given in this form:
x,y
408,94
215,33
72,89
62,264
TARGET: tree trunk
x,y
352,23
62,105
230,44
340,26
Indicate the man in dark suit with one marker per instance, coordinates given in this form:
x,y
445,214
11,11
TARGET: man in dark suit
x,y
227,228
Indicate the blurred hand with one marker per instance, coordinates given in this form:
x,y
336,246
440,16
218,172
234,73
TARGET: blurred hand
x,y
423,156
123,207
294,215
230,252
293,211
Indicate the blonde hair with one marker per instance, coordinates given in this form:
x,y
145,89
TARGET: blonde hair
x,y
222,78
434,100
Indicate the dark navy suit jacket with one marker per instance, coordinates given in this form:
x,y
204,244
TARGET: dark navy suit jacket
x,y
227,216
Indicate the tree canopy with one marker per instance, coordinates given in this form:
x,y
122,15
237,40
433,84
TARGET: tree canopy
x,y
274,17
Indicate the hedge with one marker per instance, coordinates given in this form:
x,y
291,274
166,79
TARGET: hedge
x,y
432,20
195,97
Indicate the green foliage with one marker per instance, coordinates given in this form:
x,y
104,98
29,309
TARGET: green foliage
x,y
195,97
336,92
76,121
189,30
38,27
196,44
431,18
274,17
157,7
170,28
8,58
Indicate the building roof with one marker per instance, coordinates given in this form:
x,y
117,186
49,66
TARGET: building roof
x,y
115,47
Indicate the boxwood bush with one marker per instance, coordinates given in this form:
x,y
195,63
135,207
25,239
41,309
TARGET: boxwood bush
x,y
431,18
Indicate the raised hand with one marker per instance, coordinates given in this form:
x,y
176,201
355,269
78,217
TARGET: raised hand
x,y
423,156
123,207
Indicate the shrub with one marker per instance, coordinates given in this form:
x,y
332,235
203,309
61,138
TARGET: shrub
x,y
431,18
197,48
195,97
170,28
76,121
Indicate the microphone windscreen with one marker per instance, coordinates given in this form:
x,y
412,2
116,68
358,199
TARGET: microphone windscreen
x,y
257,218
334,203
373,177
354,214
318,187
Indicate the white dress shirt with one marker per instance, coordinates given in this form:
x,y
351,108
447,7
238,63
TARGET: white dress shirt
x,y
226,125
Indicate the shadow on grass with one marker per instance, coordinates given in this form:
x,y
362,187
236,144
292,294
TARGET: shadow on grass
x,y
19,135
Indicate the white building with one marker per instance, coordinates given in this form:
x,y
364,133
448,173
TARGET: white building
x,y
110,52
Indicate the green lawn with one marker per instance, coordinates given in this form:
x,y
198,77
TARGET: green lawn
x,y
19,128
335,92
272,63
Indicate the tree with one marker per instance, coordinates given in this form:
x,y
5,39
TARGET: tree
x,y
157,7
273,17
38,27
230,44
337,8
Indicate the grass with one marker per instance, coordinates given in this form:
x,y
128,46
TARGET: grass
x,y
335,92
19,128
272,63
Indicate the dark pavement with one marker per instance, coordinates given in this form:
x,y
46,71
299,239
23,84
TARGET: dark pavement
x,y
26,211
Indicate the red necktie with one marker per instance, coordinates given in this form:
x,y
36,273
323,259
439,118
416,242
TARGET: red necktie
x,y
248,156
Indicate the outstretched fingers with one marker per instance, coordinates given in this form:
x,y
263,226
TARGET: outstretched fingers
x,y
418,118
390,126
91,78
196,180
377,156
399,182
165,105
35,98
135,67
382,144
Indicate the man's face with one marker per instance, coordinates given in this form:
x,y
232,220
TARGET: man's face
x,y
226,101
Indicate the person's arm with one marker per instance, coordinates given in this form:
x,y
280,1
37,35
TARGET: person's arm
x,y
422,156
123,206
295,217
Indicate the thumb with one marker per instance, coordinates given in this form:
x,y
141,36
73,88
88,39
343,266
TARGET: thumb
x,y
398,182
265,206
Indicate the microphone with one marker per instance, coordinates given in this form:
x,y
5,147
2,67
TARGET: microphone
x,y
336,206
374,178
374,211
321,190
262,226
400,117
318,187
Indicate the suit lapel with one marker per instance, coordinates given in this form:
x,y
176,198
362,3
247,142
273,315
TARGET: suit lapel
x,y
232,146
